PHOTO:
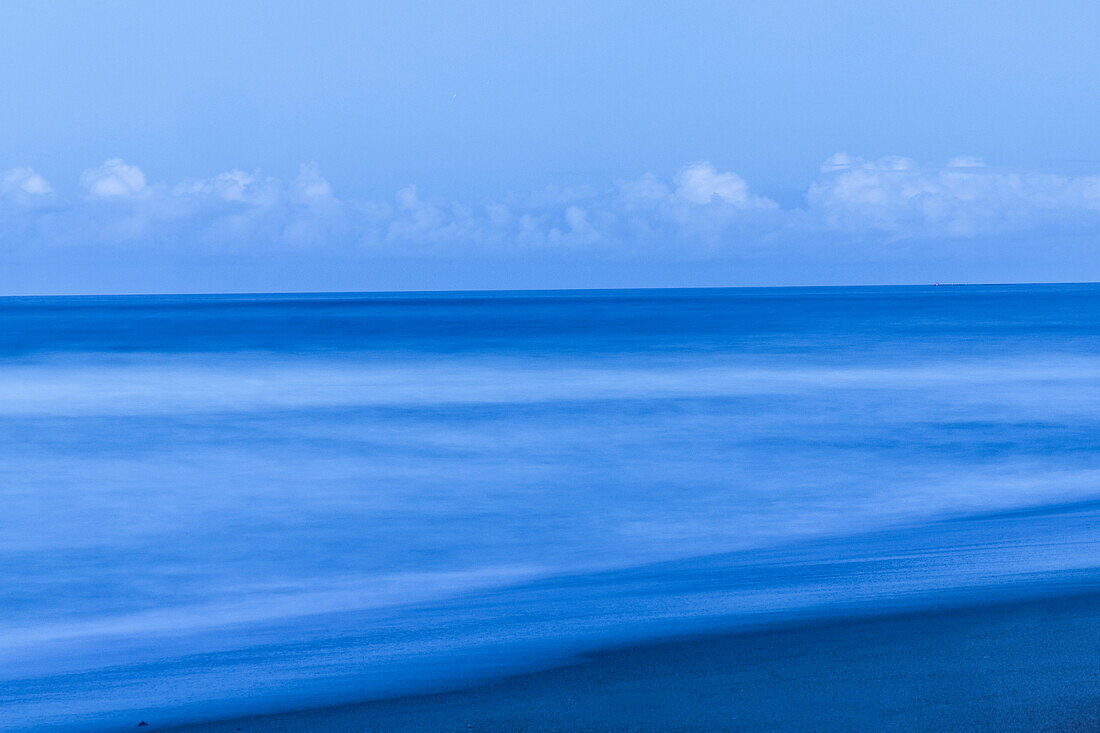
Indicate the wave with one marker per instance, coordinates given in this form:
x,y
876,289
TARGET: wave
x,y
110,384
499,628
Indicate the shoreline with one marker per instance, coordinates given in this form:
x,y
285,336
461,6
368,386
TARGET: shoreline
x,y
328,672
1030,663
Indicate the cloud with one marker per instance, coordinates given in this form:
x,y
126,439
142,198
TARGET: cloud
x,y
24,181
114,178
237,210
233,185
699,211
901,198
965,161
577,219
645,188
700,183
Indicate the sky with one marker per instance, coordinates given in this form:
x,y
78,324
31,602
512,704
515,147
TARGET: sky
x,y
269,146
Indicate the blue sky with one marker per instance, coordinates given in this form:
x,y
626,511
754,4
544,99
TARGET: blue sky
x,y
198,146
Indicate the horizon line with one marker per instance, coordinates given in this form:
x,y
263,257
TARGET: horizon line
x,y
541,290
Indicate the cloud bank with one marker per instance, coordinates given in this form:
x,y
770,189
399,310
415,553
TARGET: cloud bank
x,y
699,211
962,199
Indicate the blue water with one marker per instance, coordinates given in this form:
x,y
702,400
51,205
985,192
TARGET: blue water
x,y
214,505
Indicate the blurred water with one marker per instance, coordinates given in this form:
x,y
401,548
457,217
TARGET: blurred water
x,y
200,491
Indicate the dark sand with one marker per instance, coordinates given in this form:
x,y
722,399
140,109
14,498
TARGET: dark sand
x,y
1025,665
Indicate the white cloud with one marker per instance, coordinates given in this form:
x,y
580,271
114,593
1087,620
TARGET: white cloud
x,y
413,220
699,211
115,178
965,161
899,197
700,183
235,209
837,161
407,198
577,219
234,185
310,186
646,188
24,181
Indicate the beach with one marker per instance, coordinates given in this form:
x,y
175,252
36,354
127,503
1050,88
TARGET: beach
x,y
557,366
1024,665
230,506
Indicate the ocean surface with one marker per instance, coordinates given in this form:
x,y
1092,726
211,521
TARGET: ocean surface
x,y
215,505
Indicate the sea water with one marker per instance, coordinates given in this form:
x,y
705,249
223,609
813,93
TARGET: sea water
x,y
215,505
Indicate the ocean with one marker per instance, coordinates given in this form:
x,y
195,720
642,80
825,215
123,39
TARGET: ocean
x,y
222,504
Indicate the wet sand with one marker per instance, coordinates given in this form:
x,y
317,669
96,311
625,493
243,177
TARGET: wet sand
x,y
1012,665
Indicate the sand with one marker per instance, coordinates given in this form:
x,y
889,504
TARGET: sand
x,y
1020,665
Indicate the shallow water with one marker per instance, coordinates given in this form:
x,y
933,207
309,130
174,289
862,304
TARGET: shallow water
x,y
217,504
